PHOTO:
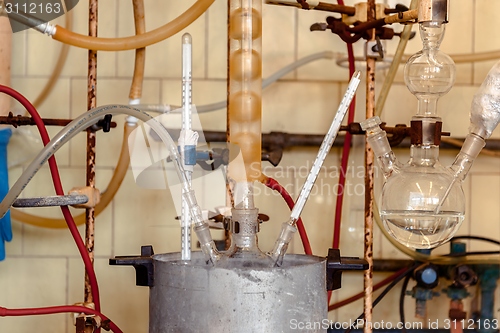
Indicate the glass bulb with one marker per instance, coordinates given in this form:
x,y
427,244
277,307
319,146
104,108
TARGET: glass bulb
x,y
419,208
422,203
429,73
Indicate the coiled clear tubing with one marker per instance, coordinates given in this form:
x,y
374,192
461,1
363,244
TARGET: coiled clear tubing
x,y
90,118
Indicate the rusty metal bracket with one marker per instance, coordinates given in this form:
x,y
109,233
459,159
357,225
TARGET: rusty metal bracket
x,y
303,4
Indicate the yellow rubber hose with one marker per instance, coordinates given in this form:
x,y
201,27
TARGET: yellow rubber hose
x,y
61,61
140,54
138,41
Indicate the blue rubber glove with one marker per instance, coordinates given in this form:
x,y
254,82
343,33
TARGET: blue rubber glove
x,y
5,225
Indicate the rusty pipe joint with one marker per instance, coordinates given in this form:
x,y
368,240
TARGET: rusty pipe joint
x,y
433,10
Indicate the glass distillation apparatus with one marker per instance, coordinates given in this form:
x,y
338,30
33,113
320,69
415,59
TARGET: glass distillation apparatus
x,y
422,202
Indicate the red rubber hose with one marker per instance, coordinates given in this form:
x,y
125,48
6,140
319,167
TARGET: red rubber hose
x,y
345,157
59,309
344,161
345,152
56,179
273,184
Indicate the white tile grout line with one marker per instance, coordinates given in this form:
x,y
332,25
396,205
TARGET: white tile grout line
x,y
55,256
158,93
206,46
67,293
214,80
23,232
473,36
160,87
469,206
117,33
113,228
71,117
26,55
296,42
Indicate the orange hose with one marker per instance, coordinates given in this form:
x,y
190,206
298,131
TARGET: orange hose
x,y
60,62
106,197
134,42
140,54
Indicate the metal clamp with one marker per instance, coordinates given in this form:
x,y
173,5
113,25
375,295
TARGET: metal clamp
x,y
143,264
374,49
335,265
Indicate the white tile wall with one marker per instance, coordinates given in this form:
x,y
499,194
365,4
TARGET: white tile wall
x,y
43,267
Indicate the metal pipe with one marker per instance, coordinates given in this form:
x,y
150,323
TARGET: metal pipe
x,y
91,141
328,7
433,10
369,176
23,121
51,201
227,136
391,265
282,140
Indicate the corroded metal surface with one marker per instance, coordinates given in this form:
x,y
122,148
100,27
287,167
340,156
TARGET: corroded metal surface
x,y
369,176
50,201
91,136
194,297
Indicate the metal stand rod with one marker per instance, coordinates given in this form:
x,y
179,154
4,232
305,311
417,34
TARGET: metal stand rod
x,y
369,170
91,141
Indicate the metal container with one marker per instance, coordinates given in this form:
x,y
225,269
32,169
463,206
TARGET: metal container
x,y
195,297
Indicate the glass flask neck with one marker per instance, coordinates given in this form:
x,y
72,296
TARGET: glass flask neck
x,y
243,245
430,73
427,105
244,227
470,150
432,34
424,155
377,138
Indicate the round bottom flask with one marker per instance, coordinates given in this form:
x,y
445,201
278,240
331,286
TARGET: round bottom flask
x,y
422,203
